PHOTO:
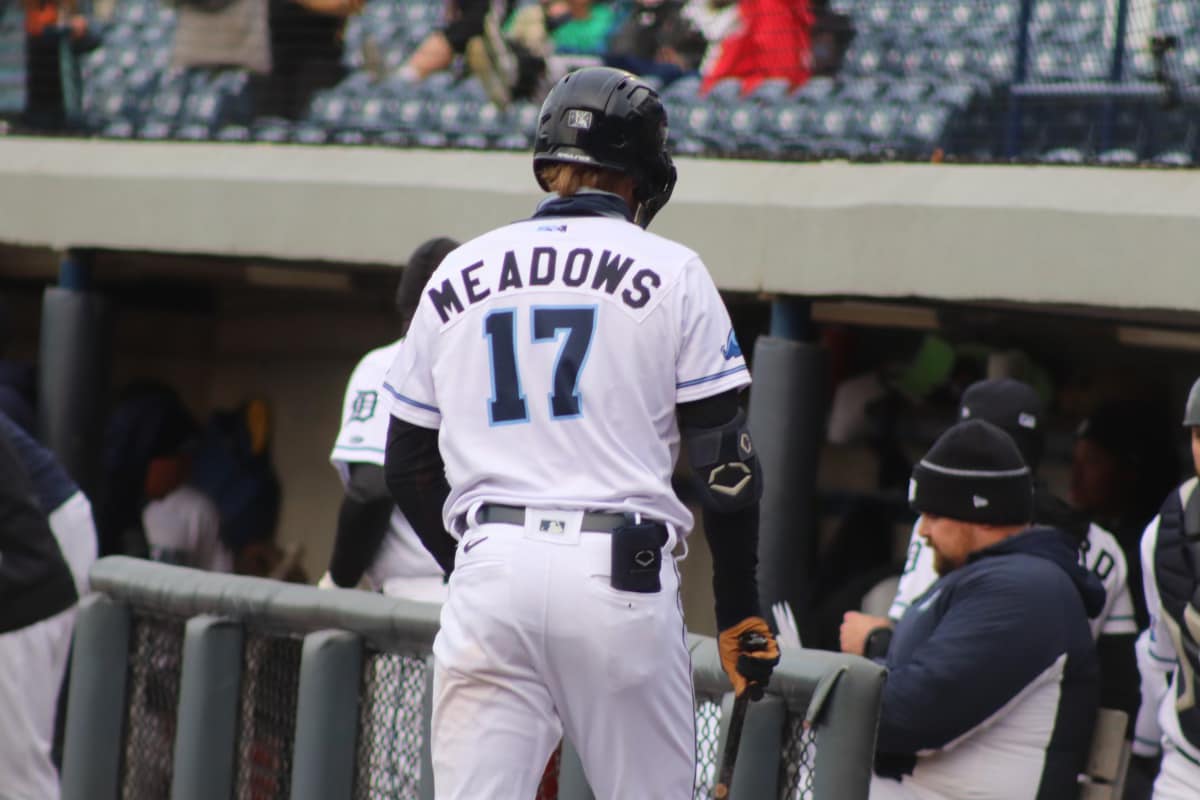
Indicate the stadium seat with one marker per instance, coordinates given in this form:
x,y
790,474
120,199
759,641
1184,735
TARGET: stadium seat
x,y
907,91
879,123
1118,157
395,138
1174,158
1063,155
433,140
274,133
924,127
234,133
815,90
309,133
513,141
863,90
687,87
118,129
156,130
770,92
346,138
954,95
727,92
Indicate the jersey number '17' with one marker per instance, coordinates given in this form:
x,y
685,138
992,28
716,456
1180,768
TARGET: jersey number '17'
x,y
507,404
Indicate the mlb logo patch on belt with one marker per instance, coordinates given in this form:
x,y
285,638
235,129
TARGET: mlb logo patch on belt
x,y
553,525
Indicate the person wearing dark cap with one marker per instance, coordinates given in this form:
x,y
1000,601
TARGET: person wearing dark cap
x,y
1169,722
1016,408
992,679
1122,466
373,538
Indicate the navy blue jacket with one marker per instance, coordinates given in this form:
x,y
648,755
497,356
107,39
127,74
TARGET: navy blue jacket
x,y
982,634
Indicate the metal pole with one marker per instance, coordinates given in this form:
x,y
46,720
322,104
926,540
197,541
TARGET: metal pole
x,y
1020,72
1116,74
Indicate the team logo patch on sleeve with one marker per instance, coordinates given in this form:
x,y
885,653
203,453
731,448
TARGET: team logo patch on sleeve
x,y
363,407
732,349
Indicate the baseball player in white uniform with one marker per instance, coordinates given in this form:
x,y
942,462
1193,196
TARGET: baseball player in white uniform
x,y
1016,408
540,397
1169,720
373,538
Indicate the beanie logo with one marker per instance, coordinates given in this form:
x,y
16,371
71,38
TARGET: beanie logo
x,y
912,489
979,502
966,412
1027,420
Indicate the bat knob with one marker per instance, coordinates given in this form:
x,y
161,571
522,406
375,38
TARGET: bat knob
x,y
721,792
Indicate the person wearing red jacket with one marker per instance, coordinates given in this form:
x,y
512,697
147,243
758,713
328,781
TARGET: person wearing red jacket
x,y
772,41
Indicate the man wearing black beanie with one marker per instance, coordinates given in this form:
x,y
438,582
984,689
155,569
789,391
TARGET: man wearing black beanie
x,y
992,679
1016,408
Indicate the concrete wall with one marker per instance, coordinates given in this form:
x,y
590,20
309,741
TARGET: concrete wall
x,y
1099,237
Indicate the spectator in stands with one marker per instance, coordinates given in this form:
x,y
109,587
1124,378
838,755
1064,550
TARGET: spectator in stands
x,y
772,41
56,33
657,40
1170,719
1017,409
465,20
1122,467
832,34
992,677
373,538
306,53
40,502
293,46
538,45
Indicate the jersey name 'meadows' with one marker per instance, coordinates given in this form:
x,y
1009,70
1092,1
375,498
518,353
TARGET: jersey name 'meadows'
x,y
606,272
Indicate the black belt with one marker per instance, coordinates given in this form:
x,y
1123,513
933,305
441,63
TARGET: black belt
x,y
593,521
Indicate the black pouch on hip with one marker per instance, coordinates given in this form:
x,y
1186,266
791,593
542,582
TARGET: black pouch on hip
x,y
637,556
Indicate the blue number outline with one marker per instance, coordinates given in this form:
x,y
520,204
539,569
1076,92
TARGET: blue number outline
x,y
572,333
511,313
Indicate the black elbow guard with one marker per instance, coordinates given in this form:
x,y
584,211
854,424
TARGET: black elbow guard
x,y
725,465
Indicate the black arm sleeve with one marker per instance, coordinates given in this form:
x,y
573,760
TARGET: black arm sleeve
x,y
416,477
732,535
1119,679
362,524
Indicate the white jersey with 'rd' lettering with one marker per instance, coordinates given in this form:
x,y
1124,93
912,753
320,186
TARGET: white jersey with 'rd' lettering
x,y
555,350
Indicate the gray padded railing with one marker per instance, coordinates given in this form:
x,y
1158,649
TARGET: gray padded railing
x,y
188,684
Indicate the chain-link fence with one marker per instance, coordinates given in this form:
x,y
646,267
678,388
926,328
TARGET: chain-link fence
x,y
286,724
267,717
1062,81
798,760
390,730
155,659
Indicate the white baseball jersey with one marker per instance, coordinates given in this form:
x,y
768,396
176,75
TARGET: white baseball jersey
x,y
184,528
1162,669
519,341
1099,552
362,440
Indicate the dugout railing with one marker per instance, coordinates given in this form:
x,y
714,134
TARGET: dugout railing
x,y
188,685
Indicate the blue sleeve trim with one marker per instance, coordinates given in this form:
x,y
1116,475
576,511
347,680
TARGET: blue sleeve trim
x,y
708,378
359,447
409,400
1144,740
1120,618
1162,660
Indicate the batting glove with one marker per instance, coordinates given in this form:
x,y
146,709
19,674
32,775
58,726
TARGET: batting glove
x,y
749,654
326,582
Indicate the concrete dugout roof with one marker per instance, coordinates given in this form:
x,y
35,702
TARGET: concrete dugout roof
x,y
1124,238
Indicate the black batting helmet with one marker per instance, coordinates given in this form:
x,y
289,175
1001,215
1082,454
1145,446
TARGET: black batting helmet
x,y
604,117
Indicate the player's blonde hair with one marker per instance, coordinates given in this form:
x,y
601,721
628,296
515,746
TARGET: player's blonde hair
x,y
566,180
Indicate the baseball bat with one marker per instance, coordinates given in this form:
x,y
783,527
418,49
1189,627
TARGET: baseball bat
x,y
749,642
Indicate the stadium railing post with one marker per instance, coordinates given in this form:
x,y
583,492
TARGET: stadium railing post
x,y
209,691
327,716
96,701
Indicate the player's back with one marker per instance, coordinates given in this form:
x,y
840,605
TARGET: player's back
x,y
558,349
